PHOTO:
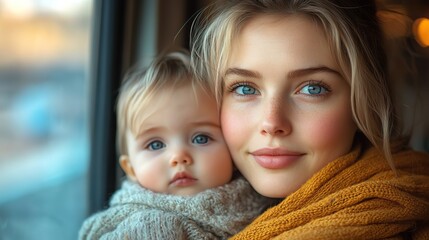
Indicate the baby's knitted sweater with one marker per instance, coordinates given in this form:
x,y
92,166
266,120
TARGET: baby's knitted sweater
x,y
137,213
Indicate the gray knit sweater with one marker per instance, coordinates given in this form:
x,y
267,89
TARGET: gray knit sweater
x,y
137,213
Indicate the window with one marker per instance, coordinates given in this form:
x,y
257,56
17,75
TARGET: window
x,y
44,109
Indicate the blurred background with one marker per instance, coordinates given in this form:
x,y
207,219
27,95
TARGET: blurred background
x,y
61,63
44,106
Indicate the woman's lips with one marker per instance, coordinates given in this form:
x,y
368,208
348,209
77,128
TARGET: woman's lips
x,y
275,158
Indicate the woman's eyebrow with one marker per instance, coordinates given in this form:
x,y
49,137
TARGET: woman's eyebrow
x,y
242,72
293,74
307,71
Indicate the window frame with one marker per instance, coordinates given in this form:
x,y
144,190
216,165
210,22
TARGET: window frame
x,y
125,34
106,72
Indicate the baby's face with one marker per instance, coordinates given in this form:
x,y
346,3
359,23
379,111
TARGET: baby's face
x,y
180,148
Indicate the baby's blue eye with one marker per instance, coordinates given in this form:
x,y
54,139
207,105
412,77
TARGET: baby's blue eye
x,y
200,139
245,90
156,145
314,89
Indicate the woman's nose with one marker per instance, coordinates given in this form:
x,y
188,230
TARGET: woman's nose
x,y
181,156
275,121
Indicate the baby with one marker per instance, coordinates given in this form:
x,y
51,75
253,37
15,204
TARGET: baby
x,y
181,182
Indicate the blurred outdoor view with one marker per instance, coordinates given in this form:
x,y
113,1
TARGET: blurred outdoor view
x,y
44,108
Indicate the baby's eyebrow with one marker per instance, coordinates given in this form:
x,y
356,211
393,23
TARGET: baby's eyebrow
x,y
242,72
142,131
205,123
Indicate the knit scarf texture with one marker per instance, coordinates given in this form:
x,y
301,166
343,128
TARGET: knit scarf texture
x,y
137,213
356,196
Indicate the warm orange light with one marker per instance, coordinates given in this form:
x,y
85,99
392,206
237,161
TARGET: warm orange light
x,y
421,31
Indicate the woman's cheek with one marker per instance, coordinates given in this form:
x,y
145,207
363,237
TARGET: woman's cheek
x,y
322,133
331,133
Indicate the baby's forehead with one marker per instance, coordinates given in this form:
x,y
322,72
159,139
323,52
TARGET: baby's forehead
x,y
173,102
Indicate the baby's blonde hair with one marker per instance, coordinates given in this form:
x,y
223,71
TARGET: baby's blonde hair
x,y
141,85
355,39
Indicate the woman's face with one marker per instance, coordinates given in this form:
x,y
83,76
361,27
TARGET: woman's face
x,y
286,107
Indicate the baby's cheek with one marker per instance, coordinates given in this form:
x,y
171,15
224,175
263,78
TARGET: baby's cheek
x,y
151,177
232,128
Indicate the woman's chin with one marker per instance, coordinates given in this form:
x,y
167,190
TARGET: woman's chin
x,y
268,189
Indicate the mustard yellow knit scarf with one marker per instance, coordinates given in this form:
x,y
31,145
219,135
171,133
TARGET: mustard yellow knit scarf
x,y
357,196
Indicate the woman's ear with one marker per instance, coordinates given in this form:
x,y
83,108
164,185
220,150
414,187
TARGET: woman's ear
x,y
125,163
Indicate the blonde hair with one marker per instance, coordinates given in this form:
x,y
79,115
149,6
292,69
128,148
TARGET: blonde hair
x,y
355,39
141,85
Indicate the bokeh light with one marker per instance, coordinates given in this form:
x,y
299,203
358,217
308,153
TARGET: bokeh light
x,y
421,31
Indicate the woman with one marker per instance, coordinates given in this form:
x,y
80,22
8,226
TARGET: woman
x,y
307,115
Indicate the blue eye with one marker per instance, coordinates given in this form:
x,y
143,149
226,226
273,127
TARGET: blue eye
x,y
201,139
245,90
155,145
314,89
